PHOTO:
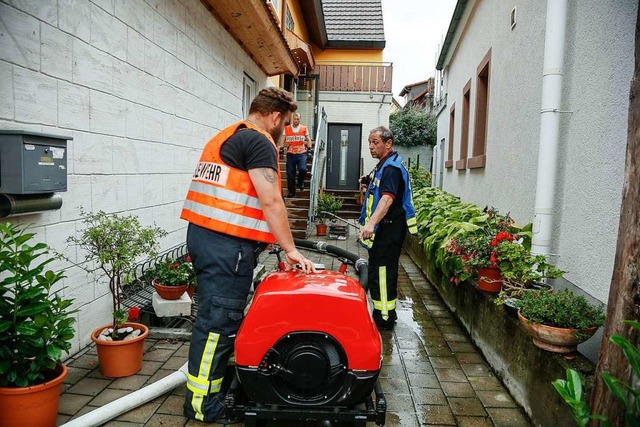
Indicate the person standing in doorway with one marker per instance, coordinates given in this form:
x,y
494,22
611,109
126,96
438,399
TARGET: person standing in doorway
x,y
297,142
234,204
387,214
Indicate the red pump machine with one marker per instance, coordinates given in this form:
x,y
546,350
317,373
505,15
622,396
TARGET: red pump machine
x,y
308,349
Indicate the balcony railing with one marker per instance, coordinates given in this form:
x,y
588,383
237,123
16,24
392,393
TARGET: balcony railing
x,y
355,77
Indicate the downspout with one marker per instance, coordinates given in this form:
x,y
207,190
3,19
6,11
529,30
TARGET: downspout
x,y
549,125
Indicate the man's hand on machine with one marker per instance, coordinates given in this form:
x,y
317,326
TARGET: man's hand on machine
x,y
295,257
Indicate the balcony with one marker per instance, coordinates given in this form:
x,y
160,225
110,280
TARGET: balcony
x,y
354,76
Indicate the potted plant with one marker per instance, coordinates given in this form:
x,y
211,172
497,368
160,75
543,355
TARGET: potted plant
x,y
114,243
327,205
35,328
558,321
171,278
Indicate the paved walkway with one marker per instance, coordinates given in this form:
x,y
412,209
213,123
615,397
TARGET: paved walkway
x,y
432,374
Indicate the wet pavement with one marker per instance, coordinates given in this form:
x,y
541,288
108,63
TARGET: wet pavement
x,y
432,374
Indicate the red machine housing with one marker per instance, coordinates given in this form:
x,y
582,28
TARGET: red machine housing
x,y
308,339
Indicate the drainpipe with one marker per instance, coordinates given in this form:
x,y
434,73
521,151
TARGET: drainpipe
x,y
549,125
126,403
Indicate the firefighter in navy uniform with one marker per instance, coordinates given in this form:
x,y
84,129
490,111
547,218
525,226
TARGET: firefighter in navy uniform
x,y
387,214
233,205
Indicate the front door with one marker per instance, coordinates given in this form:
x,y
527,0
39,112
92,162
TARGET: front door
x,y
343,156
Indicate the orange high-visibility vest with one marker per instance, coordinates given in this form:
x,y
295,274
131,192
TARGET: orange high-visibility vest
x,y
222,198
295,140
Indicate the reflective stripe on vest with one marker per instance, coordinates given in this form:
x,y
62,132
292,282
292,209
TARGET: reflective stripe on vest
x,y
295,140
372,197
222,198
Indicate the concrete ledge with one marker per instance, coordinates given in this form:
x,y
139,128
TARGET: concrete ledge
x,y
171,308
526,370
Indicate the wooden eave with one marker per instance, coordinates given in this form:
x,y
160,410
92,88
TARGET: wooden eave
x,y
254,25
301,51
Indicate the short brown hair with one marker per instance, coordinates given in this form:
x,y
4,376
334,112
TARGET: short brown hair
x,y
385,133
273,99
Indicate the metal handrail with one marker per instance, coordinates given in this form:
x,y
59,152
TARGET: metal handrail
x,y
317,172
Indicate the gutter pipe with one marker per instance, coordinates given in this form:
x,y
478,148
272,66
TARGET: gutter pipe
x,y
549,125
126,403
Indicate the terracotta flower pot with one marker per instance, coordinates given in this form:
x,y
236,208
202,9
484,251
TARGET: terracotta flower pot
x,y
32,406
169,292
321,229
556,340
120,358
489,279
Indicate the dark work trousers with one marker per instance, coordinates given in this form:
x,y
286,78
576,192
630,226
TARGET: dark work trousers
x,y
296,161
224,270
383,269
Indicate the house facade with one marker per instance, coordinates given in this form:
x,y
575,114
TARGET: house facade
x,y
491,122
140,86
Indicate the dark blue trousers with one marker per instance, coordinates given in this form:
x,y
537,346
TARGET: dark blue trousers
x,y
299,162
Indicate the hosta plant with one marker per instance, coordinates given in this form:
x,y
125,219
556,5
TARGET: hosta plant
x,y
35,322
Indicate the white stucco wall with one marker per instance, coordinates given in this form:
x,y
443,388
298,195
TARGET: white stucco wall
x,y
370,110
598,68
140,86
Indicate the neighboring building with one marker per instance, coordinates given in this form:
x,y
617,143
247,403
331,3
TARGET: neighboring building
x,y
141,86
489,122
395,106
419,95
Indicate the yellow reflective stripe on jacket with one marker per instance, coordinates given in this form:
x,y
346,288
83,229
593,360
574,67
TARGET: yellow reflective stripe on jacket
x,y
412,225
203,374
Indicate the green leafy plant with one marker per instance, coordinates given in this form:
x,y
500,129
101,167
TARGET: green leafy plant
x,y
413,127
420,177
327,203
628,394
115,243
562,309
35,322
173,273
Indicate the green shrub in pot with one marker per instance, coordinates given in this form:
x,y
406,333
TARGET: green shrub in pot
x,y
562,309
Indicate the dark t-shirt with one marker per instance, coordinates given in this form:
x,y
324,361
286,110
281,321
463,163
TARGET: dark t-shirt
x,y
249,149
393,183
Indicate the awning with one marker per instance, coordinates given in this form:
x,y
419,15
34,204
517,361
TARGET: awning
x,y
301,51
255,27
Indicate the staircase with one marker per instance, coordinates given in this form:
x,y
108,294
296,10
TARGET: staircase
x,y
350,207
297,207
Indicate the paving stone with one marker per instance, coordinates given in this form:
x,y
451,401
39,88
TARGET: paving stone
x,y
496,399
75,374
133,382
420,355
183,351
466,358
181,390
435,414
149,367
168,344
391,359
62,419
86,361
175,363
399,402
158,354
409,344
171,405
474,422
392,371
441,314
70,403
401,419
418,367
89,386
116,423
462,347
108,395
444,321
452,329
456,338
467,406
444,362
435,341
166,420
423,380
508,417
457,389
394,385
476,370
159,375
428,396
451,375
438,350
141,414
485,383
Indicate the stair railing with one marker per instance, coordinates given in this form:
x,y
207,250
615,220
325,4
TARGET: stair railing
x,y
318,164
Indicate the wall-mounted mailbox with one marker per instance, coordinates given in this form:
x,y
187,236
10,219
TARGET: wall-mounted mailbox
x,y
32,162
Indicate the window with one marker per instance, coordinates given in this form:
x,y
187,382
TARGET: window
x,y
288,20
452,123
464,132
248,93
479,158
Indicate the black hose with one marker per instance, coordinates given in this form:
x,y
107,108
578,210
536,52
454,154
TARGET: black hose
x,y
361,264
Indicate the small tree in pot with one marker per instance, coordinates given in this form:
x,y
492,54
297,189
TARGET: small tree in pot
x,y
114,243
35,328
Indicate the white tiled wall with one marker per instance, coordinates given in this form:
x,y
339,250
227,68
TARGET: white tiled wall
x,y
140,86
